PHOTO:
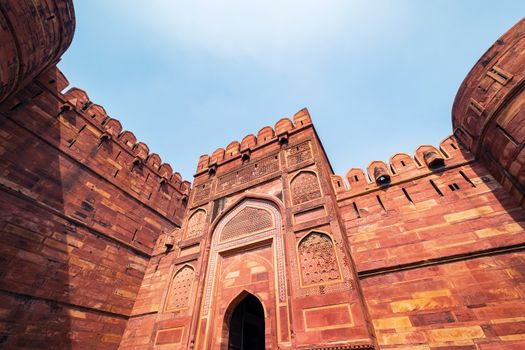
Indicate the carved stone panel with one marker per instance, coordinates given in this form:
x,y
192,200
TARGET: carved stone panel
x,y
249,220
180,289
317,259
298,154
305,187
249,172
196,223
201,192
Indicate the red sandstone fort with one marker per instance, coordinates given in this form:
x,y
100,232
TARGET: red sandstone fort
x,y
104,246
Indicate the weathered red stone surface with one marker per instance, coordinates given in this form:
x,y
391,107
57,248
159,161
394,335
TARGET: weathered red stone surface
x,y
489,115
34,34
104,246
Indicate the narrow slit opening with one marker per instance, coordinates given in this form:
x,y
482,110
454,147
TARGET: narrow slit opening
x,y
467,178
356,210
381,203
436,188
407,196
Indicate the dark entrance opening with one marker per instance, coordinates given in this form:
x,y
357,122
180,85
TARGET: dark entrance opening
x,y
247,325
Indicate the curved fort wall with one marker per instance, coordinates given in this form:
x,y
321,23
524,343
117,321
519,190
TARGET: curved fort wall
x,y
34,35
488,114
82,202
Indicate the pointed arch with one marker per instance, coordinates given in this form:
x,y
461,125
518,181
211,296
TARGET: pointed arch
x,y
234,326
218,246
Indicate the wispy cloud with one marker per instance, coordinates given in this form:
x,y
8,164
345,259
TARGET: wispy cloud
x,y
270,33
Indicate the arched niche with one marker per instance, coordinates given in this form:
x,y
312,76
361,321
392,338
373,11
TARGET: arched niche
x,y
196,223
180,289
305,187
317,259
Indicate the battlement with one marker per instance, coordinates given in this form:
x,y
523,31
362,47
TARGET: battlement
x,y
266,135
110,130
402,167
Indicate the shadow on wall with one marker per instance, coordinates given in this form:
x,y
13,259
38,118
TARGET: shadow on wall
x,y
35,267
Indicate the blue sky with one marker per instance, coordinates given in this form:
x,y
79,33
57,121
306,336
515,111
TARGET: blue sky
x,y
189,76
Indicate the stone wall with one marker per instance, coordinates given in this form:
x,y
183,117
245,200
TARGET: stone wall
x,y
82,205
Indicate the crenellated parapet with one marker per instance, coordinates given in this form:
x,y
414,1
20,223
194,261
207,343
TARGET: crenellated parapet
x,y
251,142
489,110
137,157
33,35
401,167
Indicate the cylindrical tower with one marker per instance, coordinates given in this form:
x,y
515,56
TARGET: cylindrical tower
x,y
488,114
33,35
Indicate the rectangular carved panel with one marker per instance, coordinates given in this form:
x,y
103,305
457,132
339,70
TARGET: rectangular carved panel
x,y
328,317
308,215
169,336
201,192
298,154
248,173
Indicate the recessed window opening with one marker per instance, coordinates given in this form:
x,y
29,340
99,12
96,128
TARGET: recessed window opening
x,y
436,188
467,178
403,163
356,178
417,161
453,186
453,146
338,183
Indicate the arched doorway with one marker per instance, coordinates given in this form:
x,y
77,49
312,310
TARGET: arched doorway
x,y
246,328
